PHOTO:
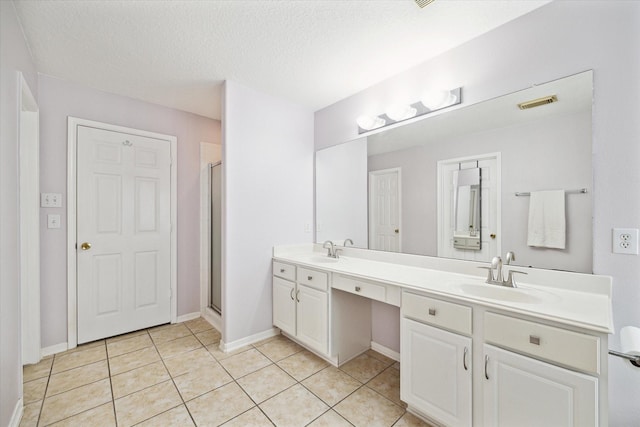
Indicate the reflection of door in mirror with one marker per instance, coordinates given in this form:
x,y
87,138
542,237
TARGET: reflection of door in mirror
x,y
466,209
488,216
385,210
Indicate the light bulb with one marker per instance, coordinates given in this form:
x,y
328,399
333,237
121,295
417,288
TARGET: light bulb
x,y
398,112
369,122
436,99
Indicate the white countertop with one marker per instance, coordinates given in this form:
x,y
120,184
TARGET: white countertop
x,y
575,299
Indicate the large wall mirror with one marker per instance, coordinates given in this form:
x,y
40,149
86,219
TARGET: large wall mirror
x,y
394,190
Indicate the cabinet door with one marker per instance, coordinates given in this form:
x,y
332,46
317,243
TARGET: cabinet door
x,y
435,373
523,392
312,312
284,305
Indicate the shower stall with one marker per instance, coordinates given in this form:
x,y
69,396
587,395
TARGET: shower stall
x,y
215,236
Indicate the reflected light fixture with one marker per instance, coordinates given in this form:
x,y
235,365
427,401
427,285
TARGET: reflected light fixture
x,y
430,102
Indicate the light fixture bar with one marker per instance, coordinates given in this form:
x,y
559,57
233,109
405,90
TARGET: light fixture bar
x,y
430,102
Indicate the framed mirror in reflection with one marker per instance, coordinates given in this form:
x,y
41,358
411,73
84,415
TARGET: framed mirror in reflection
x,y
393,190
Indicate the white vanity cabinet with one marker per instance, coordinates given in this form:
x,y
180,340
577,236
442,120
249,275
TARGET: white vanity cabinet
x,y
435,364
521,391
300,304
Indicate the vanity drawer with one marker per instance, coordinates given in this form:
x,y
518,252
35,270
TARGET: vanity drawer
x,y
313,278
286,271
448,315
377,291
559,345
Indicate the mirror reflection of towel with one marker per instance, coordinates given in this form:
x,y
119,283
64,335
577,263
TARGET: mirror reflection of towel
x,y
547,223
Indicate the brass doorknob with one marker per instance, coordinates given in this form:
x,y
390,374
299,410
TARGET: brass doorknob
x,y
492,235
85,246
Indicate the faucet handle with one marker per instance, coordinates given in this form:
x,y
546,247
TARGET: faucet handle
x,y
510,280
489,273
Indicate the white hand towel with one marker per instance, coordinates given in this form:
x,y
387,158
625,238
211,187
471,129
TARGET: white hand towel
x,y
547,224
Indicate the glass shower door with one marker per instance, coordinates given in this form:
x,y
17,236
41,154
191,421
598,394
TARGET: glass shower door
x,y
215,186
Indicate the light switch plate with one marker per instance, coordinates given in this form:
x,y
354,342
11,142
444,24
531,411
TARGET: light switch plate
x,y
53,221
625,241
50,200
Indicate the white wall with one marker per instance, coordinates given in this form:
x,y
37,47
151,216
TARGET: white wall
x,y
553,153
268,192
59,99
559,39
14,57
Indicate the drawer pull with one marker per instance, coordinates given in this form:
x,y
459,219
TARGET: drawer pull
x,y
298,295
486,363
432,312
534,340
464,359
309,277
291,293
357,288
282,270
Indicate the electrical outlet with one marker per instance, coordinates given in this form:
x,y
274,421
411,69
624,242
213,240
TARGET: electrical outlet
x,y
50,200
625,241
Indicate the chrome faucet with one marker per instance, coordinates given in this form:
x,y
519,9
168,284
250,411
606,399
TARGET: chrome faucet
x,y
331,249
347,240
496,277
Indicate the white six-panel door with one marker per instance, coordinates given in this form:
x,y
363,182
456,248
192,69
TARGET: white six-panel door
x,y
124,214
385,210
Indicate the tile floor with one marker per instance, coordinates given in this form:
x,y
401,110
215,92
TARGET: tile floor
x,y
175,375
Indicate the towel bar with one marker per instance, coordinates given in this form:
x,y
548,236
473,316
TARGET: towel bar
x,y
578,191
635,360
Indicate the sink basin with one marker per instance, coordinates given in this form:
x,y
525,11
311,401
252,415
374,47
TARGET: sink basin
x,y
500,293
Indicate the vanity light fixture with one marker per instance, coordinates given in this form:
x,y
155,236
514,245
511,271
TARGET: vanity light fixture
x,y
436,99
397,112
538,102
370,122
430,102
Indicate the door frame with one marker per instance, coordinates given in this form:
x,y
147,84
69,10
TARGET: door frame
x,y
72,271
29,224
372,213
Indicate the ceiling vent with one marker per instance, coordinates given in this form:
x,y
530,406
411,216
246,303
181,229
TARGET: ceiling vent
x,y
423,3
538,102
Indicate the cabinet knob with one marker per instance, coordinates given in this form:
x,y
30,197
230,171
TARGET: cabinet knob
x,y
534,340
282,270
309,277
432,312
357,288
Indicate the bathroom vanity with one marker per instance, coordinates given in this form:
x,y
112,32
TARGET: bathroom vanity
x,y
471,353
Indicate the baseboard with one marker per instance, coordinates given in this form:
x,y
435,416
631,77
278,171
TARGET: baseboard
x,y
234,345
17,414
188,316
385,351
213,317
53,349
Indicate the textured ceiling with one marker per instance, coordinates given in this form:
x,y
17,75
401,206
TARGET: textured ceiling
x,y
314,53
